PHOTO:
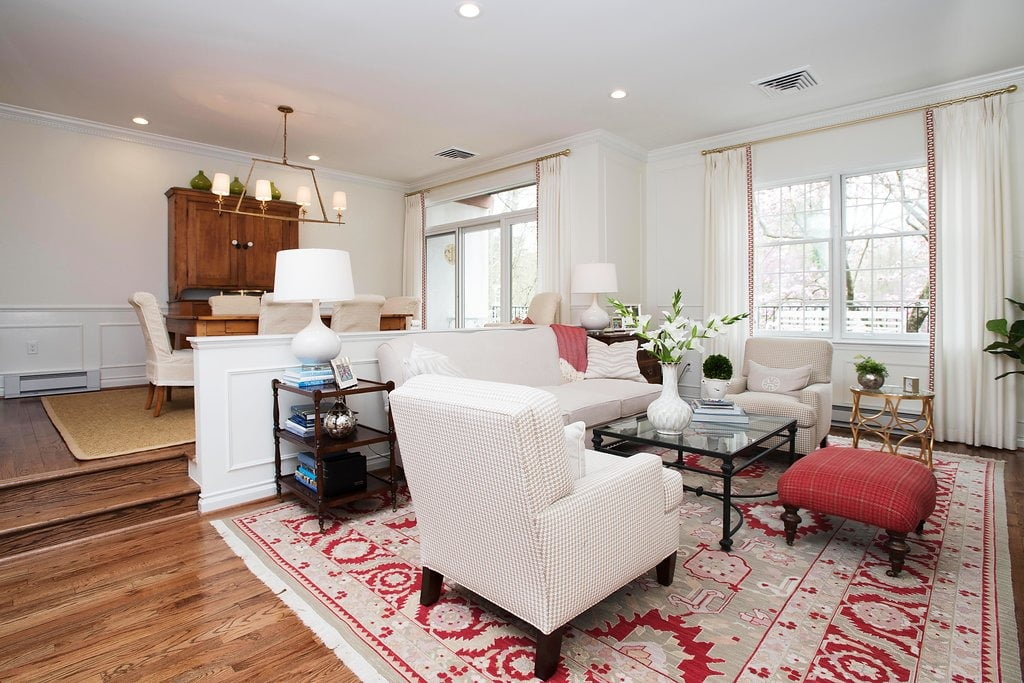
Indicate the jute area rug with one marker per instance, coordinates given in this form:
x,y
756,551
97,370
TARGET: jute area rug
x,y
822,610
103,424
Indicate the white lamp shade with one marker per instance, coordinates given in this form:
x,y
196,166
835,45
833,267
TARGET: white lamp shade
x,y
303,197
263,190
590,278
308,274
221,184
340,201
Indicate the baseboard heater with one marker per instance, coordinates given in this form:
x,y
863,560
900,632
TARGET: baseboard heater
x,y
22,384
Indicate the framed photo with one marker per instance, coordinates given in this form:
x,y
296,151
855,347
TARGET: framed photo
x,y
615,323
343,375
634,310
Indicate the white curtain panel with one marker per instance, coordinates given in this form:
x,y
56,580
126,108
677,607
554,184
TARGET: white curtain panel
x,y
553,229
412,256
975,273
726,280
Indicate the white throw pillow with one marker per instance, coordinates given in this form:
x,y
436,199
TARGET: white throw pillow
x,y
424,361
576,449
777,380
569,373
613,361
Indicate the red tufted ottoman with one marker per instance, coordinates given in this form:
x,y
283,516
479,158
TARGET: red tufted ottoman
x,y
867,486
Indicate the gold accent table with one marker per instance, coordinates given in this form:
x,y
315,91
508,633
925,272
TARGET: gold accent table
x,y
888,419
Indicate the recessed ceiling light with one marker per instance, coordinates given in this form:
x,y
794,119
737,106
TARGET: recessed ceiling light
x,y
469,10
141,121
617,94
313,157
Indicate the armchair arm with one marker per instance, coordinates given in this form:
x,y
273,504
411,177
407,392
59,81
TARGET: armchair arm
x,y
819,397
613,527
737,385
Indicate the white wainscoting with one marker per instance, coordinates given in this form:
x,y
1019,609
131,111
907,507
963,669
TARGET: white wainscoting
x,y
234,412
88,337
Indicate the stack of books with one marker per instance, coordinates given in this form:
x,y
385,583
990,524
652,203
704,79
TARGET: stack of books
x,y
305,473
302,421
309,376
718,410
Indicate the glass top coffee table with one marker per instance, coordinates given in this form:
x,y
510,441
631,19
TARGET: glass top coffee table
x,y
737,446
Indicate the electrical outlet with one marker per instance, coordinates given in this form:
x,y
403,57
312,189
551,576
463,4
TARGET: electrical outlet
x,y
32,347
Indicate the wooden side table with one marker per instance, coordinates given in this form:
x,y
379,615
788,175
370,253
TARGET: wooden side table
x,y
887,419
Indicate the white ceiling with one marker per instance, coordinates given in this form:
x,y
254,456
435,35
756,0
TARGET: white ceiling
x,y
379,86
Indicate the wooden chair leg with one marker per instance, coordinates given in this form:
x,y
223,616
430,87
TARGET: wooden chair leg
x,y
897,546
549,649
149,396
430,586
824,442
791,520
667,570
159,403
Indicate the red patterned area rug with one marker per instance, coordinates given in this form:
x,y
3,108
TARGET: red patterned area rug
x,y
822,610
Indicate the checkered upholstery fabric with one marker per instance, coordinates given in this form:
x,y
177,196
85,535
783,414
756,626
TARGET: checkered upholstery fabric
x,y
499,512
867,486
811,407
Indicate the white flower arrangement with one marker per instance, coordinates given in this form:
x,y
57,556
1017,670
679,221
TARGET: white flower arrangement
x,y
677,334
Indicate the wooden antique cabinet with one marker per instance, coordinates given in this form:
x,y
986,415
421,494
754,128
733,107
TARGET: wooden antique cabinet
x,y
224,251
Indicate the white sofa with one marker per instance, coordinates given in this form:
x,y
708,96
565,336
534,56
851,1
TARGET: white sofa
x,y
527,356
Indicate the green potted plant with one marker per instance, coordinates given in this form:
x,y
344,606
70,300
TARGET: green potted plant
x,y
717,373
870,373
1014,335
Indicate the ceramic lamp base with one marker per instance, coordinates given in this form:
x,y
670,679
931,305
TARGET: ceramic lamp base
x,y
595,317
316,343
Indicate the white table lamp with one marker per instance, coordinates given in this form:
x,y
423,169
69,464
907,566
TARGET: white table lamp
x,y
314,275
594,278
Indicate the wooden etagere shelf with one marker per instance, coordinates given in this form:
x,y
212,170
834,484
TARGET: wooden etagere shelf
x,y
322,444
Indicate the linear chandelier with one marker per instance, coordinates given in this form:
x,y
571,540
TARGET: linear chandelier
x,y
303,196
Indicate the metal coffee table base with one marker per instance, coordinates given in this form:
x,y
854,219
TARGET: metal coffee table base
x,y
732,464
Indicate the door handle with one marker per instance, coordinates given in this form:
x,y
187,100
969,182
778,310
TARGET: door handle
x,y
235,244
246,245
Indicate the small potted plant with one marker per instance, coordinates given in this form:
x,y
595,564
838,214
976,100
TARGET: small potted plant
x,y
717,373
870,373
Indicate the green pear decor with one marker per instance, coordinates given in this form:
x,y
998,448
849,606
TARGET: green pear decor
x,y
236,187
201,182
274,192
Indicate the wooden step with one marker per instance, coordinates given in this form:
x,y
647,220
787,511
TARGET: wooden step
x,y
86,502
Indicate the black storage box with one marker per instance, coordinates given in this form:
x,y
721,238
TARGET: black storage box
x,y
344,473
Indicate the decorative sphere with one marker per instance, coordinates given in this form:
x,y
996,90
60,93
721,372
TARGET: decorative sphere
x,y
340,421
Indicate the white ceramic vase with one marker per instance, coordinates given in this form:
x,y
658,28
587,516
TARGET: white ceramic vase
x,y
669,414
715,388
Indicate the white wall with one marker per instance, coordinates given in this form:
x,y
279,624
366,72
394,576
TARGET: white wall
x,y
84,224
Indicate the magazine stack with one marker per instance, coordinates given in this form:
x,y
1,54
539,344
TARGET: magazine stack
x,y
309,376
718,410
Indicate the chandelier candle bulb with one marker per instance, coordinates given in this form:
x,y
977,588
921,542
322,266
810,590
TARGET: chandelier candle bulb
x,y
221,184
263,190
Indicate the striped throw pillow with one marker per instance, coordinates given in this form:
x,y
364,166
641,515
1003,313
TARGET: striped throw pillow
x,y
613,361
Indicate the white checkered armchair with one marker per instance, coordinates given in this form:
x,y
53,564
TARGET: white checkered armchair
x,y
500,512
811,407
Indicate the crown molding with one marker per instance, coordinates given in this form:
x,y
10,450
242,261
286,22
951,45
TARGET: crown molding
x,y
884,105
523,156
103,130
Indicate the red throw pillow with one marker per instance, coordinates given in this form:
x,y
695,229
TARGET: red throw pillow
x,y
572,344
527,321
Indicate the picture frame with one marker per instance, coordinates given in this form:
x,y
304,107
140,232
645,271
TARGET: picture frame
x,y
634,310
344,377
615,323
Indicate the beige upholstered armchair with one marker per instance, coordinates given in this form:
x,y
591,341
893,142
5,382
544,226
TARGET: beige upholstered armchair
x,y
543,308
359,314
500,512
165,367
810,406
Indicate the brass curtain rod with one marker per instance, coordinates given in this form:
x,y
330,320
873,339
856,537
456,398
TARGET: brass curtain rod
x,y
876,117
563,153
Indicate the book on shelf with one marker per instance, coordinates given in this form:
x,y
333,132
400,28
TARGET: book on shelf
x,y
306,458
305,481
296,429
309,370
308,410
301,421
306,472
714,404
307,383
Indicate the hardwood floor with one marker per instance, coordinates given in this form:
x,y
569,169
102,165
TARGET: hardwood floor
x,y
170,601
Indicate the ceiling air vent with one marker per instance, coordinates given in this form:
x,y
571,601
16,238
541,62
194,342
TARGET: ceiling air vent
x,y
791,81
454,153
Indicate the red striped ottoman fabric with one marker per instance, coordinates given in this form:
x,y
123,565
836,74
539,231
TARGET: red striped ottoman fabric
x,y
867,486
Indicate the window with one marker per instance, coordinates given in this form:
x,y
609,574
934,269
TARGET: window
x,y
481,259
879,287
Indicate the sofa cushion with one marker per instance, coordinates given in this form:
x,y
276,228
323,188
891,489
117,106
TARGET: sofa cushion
x,y
577,403
781,405
613,361
633,397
